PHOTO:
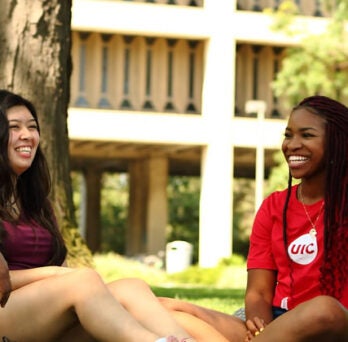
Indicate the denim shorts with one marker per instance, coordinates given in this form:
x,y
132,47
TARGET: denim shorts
x,y
240,313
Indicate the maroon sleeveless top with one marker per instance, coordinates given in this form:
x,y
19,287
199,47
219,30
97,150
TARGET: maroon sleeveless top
x,y
26,245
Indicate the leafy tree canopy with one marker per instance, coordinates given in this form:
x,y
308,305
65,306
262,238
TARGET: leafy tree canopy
x,y
319,64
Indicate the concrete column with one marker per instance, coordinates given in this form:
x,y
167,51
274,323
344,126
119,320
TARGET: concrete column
x,y
136,227
92,222
217,159
258,107
260,158
215,240
148,209
157,205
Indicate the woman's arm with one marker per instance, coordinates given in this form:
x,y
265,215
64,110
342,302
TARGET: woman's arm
x,y
259,298
195,318
5,283
20,278
203,313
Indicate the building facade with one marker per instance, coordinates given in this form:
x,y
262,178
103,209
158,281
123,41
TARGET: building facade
x,y
176,87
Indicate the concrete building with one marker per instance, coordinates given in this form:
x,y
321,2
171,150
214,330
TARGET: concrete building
x,y
176,87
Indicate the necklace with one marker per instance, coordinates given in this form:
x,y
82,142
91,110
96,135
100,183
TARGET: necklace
x,y
313,224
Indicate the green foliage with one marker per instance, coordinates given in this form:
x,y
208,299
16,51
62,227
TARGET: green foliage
x,y
197,275
243,214
284,17
279,175
224,300
112,266
114,212
114,208
233,260
318,65
183,196
220,288
76,182
78,253
230,273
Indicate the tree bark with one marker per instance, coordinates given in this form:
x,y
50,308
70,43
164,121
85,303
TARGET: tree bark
x,y
35,61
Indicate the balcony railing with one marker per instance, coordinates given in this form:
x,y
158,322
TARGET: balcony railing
x,y
313,8
192,3
165,75
137,73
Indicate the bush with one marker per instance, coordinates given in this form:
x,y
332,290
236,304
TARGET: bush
x,y
220,288
230,273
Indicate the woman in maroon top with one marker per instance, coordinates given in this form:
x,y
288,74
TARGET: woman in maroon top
x,y
42,300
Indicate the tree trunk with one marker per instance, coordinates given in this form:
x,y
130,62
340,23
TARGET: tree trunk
x,y
35,61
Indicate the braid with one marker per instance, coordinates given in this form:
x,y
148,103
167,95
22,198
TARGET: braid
x,y
285,222
334,269
285,228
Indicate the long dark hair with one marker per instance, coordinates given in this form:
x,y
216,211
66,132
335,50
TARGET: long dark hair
x,y
334,270
32,188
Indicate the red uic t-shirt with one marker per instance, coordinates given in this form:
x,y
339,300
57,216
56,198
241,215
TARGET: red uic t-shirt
x,y
298,279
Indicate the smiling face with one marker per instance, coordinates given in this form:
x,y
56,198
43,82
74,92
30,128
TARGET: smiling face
x,y
304,144
23,138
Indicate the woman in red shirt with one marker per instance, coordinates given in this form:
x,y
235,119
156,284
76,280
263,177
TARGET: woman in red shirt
x,y
297,288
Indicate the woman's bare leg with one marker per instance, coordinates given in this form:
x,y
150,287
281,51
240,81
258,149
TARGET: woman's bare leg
x,y
46,309
136,296
138,299
76,333
198,329
197,319
321,319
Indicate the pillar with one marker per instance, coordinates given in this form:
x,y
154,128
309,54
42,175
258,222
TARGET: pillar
x,y
157,204
136,227
90,211
148,209
215,241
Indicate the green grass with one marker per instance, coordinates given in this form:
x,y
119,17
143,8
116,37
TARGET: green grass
x,y
220,288
225,300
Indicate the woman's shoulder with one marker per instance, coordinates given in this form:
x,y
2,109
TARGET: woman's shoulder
x,y
283,192
278,197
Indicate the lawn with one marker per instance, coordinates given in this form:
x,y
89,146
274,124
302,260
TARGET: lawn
x,y
225,300
220,288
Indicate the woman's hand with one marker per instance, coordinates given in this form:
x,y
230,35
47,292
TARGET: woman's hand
x,y
254,326
249,336
174,304
20,278
5,282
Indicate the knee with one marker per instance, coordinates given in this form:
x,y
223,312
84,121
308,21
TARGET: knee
x,y
325,313
87,278
138,284
126,287
132,284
